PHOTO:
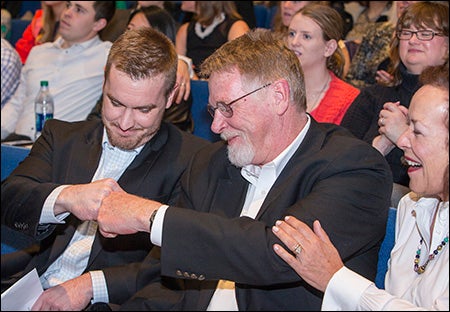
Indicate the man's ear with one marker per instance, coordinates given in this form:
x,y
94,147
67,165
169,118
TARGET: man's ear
x,y
282,95
100,24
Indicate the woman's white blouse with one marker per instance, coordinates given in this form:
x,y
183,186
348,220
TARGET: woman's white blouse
x,y
405,289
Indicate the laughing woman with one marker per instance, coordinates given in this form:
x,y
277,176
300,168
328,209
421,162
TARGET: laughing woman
x,y
418,273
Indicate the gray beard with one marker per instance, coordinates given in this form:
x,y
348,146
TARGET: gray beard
x,y
241,156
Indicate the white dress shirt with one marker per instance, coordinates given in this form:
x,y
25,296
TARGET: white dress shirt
x,y
405,289
73,261
75,77
261,180
11,68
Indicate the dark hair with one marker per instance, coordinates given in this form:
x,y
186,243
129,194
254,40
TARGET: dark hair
x,y
208,10
437,76
366,4
104,9
159,19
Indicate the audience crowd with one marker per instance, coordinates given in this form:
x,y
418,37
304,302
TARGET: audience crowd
x,y
73,65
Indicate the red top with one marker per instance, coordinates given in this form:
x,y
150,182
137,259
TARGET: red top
x,y
29,36
335,102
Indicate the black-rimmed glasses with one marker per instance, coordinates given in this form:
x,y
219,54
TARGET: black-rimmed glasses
x,y
422,35
225,108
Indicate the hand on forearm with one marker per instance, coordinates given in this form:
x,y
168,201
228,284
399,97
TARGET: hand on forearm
x,y
318,259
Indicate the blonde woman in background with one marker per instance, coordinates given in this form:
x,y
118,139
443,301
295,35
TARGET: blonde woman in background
x,y
285,13
314,33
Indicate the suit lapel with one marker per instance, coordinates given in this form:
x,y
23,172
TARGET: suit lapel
x,y
311,145
144,161
230,195
93,150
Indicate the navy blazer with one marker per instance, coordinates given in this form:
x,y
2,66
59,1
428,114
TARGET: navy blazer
x,y
69,153
333,177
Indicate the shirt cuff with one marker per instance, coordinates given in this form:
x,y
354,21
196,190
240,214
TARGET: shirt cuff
x,y
99,288
345,298
156,232
47,214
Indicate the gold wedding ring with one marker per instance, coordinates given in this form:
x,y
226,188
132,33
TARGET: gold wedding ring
x,y
298,248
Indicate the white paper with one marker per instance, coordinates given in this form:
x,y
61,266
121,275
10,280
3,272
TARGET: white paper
x,y
23,294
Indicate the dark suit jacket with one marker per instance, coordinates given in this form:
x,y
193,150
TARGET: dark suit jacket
x,y
69,153
332,177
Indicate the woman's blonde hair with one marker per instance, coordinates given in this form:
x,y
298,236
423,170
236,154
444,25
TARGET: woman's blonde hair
x,y
49,25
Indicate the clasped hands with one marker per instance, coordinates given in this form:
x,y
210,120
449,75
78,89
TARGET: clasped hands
x,y
393,120
104,201
392,123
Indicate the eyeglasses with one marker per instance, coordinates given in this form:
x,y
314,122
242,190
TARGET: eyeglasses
x,y
423,35
225,108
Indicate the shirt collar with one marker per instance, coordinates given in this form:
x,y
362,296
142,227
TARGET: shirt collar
x,y
82,45
425,209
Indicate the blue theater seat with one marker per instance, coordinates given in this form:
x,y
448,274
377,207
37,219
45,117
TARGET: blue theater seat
x,y
11,157
17,28
385,250
201,117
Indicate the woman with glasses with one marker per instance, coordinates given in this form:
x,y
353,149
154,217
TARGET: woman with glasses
x,y
375,116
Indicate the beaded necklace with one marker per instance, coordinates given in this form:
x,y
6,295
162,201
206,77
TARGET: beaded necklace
x,y
420,269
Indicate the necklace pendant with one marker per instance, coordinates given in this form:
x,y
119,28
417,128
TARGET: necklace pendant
x,y
420,269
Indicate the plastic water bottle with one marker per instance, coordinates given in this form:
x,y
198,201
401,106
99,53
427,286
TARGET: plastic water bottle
x,y
43,107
